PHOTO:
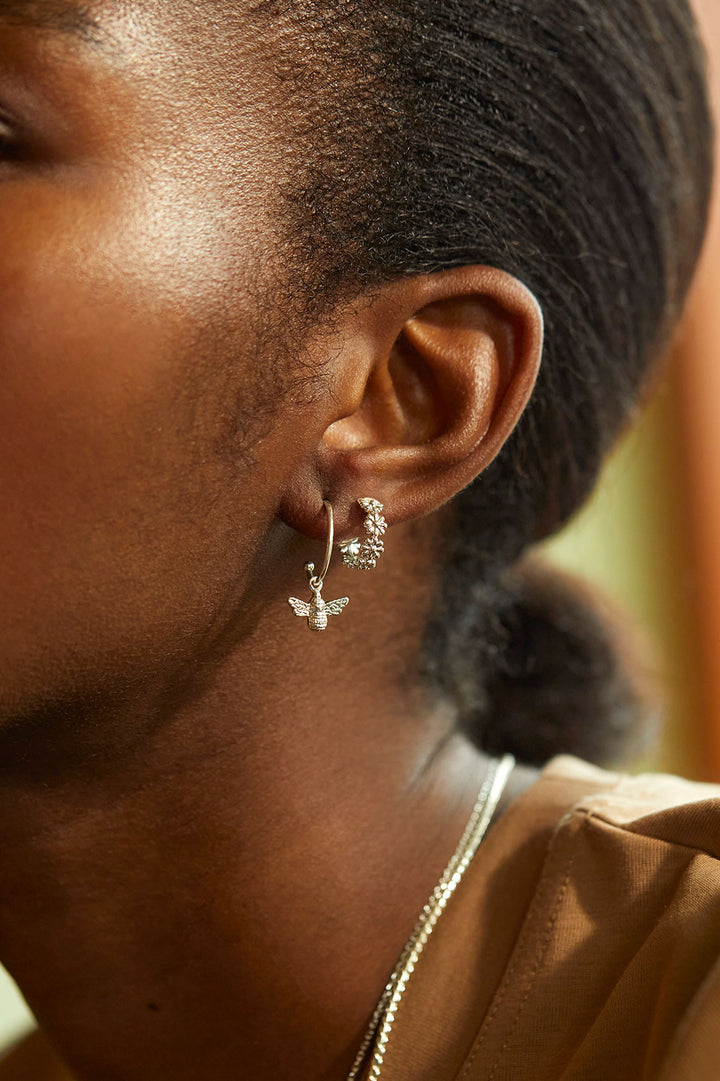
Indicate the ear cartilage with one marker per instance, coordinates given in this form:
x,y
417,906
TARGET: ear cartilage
x,y
364,554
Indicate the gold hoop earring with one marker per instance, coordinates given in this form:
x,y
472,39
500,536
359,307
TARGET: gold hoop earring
x,y
316,611
363,554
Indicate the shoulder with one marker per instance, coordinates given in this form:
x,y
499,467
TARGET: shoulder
x,y
32,1059
640,857
654,807
649,841
617,958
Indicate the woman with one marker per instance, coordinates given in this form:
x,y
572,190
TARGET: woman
x,y
261,261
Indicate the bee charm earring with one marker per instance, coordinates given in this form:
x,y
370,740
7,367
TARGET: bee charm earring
x,y
316,611
364,554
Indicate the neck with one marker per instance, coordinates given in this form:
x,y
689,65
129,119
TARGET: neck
x,y
230,901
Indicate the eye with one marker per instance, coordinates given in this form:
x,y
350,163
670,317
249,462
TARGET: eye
x,y
11,148
8,144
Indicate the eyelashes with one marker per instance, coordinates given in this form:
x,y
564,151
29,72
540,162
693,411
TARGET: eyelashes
x,y
13,146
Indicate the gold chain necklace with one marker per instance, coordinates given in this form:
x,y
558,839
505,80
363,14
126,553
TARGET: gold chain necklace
x,y
383,1018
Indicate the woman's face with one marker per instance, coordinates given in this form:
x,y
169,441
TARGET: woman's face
x,y
137,236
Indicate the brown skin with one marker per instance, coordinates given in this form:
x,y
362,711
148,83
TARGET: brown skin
x,y
217,828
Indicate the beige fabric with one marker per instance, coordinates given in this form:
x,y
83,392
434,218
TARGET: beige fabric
x,y
32,1060
583,943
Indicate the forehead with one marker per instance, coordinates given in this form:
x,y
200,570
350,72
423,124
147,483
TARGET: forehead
x,y
86,17
61,15
226,41
217,37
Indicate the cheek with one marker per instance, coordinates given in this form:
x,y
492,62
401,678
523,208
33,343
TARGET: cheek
x,y
120,524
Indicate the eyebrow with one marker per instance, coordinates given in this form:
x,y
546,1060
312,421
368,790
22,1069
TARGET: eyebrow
x,y
58,16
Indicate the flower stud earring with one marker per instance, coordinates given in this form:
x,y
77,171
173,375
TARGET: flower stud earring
x,y
317,610
364,554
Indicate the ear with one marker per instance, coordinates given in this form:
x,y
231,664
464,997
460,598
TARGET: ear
x,y
429,382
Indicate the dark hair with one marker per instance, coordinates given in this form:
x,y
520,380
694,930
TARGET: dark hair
x,y
569,143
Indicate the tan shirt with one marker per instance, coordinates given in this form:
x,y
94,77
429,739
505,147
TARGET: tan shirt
x,y
583,944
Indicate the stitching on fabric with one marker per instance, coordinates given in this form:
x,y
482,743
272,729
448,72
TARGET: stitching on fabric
x,y
597,815
539,961
535,969
499,996
588,816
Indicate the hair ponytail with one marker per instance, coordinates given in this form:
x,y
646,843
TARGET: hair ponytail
x,y
537,665
567,142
